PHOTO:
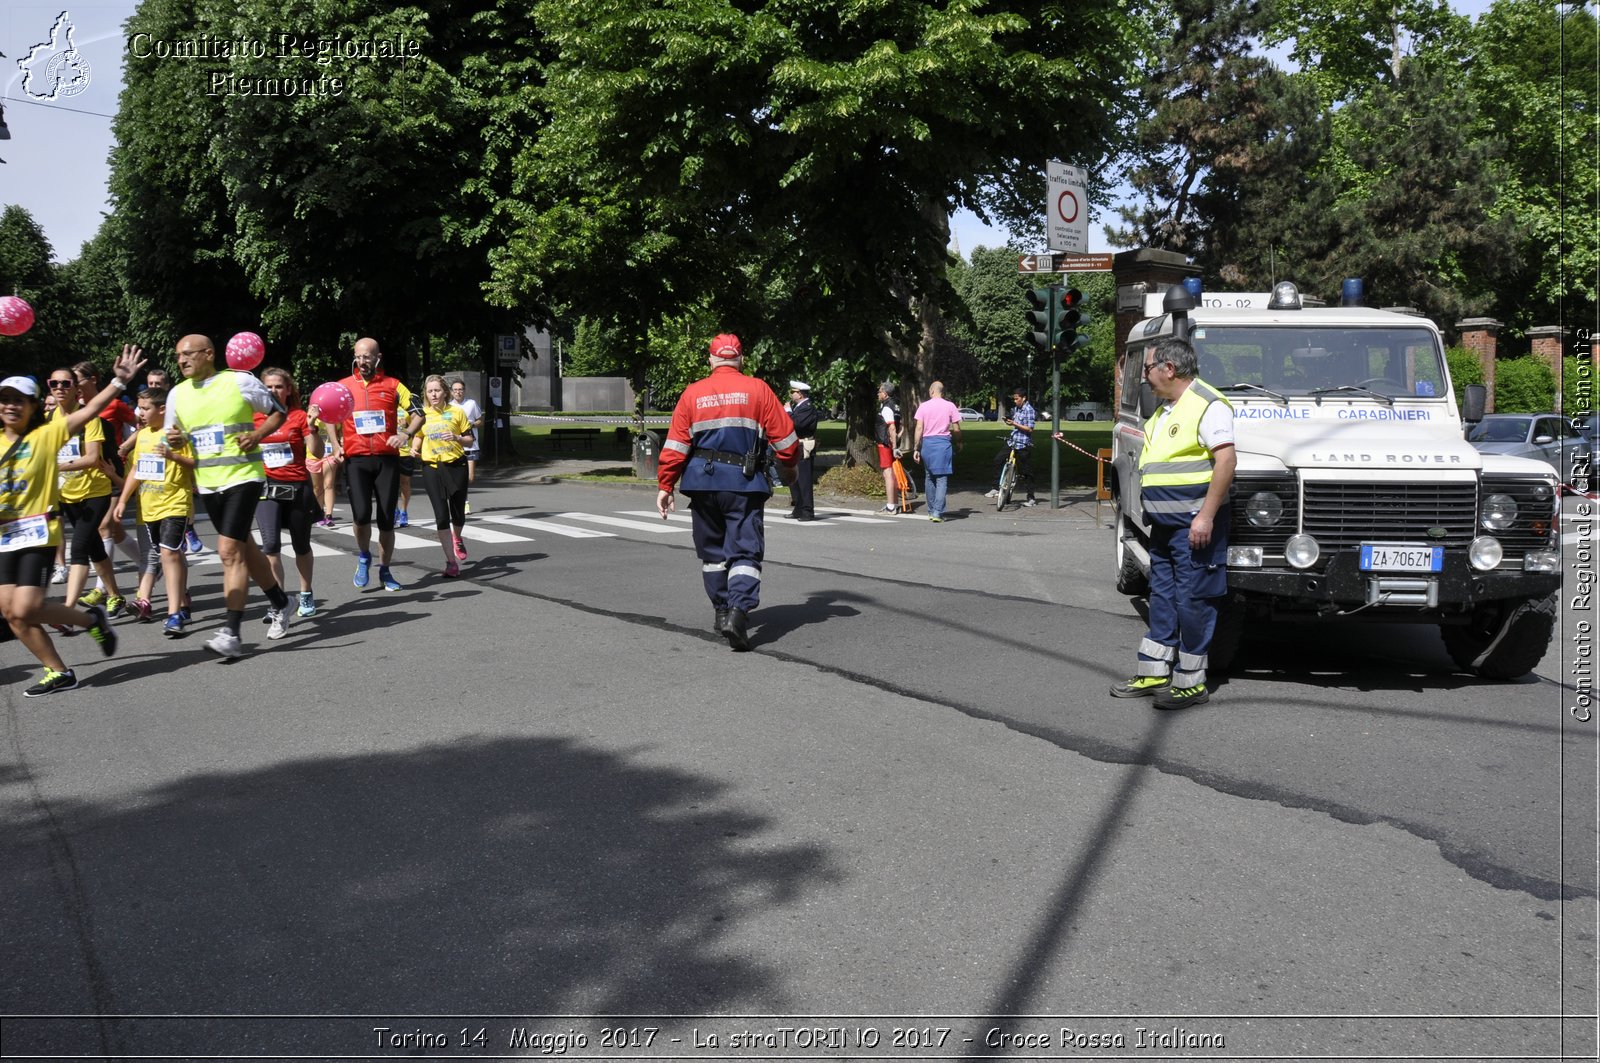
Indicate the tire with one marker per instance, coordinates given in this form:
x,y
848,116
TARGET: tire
x,y
1131,579
1008,482
1522,628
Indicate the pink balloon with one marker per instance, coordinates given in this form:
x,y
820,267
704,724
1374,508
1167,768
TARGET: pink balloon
x,y
16,316
333,402
245,351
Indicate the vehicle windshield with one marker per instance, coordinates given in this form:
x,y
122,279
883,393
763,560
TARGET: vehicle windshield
x,y
1500,430
1299,361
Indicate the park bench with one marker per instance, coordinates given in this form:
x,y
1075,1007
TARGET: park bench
x,y
560,437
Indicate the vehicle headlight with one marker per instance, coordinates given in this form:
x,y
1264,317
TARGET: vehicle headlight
x,y
1498,512
1301,551
1264,509
1485,553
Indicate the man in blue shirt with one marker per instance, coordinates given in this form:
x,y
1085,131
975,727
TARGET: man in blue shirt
x,y
1022,420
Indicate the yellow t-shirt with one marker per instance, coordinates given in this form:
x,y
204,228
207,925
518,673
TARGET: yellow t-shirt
x,y
437,428
28,490
166,488
82,483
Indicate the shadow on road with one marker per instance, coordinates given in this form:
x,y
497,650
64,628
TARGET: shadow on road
x,y
515,876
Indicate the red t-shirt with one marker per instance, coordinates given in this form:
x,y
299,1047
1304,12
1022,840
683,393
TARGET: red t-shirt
x,y
284,451
118,416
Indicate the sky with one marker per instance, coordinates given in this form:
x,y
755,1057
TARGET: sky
x,y
56,160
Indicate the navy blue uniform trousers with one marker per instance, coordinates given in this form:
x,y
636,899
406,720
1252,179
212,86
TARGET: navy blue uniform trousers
x,y
730,540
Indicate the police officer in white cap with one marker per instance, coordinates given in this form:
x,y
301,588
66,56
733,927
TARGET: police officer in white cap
x,y
804,414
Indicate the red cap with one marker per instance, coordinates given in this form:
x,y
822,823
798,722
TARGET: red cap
x,y
726,346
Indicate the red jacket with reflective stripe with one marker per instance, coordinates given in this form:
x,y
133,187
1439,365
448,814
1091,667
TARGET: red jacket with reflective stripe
x,y
725,412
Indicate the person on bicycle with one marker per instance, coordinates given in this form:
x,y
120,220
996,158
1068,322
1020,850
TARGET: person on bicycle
x,y
1022,420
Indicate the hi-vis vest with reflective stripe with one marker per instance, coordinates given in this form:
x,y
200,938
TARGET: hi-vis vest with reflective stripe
x,y
219,404
1175,467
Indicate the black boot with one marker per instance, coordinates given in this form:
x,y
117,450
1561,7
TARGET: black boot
x,y
720,626
734,630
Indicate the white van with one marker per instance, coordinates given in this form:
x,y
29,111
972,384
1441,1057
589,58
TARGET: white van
x,y
1356,496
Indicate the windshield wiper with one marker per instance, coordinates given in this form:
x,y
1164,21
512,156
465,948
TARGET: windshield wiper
x,y
1257,387
1317,393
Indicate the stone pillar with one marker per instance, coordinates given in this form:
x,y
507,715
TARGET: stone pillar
x,y
1549,345
1142,271
1481,336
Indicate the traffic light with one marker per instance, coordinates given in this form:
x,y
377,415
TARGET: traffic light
x,y
1043,324
1071,318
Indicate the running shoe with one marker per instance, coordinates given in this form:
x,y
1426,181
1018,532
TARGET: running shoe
x,y
141,609
937,520
278,619
91,598
451,570
52,682
192,543
363,563
401,520
468,508
1182,697
993,492
461,550
889,507
1030,503
308,604
58,574
388,581
325,522
226,644
174,626
100,630
116,605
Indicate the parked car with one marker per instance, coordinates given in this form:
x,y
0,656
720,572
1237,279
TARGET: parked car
x,y
1545,437
969,414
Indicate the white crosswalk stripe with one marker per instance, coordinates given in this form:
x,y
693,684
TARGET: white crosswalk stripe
x,y
479,534
658,528
553,528
402,541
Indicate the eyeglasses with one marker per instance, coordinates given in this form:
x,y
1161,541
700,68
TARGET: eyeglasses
x,y
63,383
197,350
1152,365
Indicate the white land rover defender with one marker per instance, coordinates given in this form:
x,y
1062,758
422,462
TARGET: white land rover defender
x,y
1356,495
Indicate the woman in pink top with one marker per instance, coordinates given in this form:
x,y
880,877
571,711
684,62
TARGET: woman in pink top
x,y
938,434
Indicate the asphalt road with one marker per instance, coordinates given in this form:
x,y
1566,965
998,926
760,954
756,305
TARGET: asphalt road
x,y
911,815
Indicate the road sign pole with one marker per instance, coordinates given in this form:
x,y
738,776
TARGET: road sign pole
x,y
1055,417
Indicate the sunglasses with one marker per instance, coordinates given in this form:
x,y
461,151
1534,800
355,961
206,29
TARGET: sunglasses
x,y
63,383
1149,366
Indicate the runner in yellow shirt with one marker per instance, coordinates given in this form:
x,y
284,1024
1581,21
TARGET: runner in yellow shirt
x,y
30,525
85,500
444,468
163,477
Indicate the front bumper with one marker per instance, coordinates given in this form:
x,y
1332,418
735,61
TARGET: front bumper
x,y
1339,584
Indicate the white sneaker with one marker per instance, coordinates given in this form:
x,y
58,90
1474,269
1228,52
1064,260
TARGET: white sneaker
x,y
993,492
277,623
1031,502
58,574
225,644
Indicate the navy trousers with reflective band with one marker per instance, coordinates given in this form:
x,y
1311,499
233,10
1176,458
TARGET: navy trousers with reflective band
x,y
730,540
1185,585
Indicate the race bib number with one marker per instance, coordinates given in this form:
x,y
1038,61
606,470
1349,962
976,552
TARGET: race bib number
x,y
151,467
370,422
277,455
24,532
207,441
70,452
440,433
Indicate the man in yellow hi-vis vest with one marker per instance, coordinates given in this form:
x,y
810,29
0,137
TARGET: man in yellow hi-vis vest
x,y
1185,471
213,412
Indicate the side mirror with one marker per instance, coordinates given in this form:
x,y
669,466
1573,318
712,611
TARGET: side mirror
x,y
1475,400
1148,403
1542,440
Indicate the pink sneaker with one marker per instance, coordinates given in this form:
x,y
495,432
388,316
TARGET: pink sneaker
x,y
141,608
461,550
452,570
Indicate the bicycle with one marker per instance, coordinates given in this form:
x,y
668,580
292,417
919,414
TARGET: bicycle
x,y
1008,480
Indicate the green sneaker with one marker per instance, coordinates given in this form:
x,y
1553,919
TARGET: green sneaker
x,y
91,598
116,605
1140,686
100,630
1183,697
52,682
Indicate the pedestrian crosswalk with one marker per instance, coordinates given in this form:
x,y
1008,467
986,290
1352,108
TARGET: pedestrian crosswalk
x,y
508,529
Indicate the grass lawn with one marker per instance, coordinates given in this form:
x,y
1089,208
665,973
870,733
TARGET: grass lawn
x,y
974,460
